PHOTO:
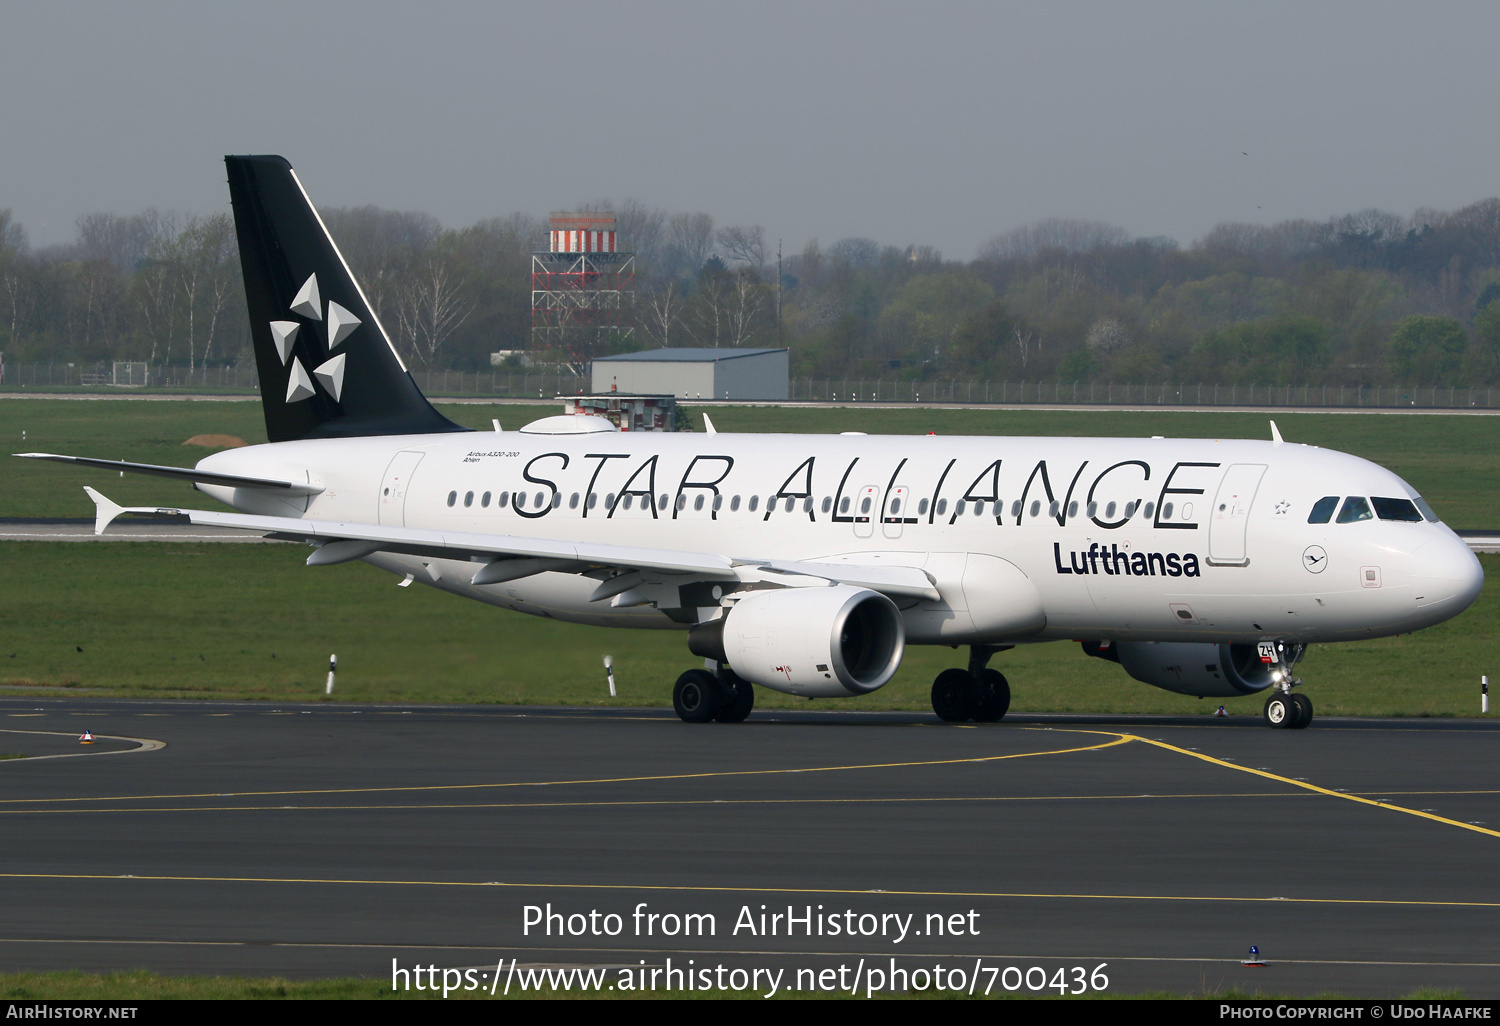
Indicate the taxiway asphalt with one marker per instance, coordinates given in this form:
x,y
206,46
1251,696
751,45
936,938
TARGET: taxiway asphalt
x,y
327,839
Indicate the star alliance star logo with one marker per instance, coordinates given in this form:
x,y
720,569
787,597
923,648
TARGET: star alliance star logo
x,y
1282,507
329,373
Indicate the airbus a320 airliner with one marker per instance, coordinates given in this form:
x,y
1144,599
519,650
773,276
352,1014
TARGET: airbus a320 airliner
x,y
806,563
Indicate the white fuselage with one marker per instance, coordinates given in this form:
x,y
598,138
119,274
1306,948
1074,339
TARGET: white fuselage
x,y
1112,538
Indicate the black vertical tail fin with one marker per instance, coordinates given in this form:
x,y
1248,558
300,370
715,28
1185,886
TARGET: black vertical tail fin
x,y
327,369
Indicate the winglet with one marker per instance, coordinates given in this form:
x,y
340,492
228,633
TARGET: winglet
x,y
708,426
105,510
1275,434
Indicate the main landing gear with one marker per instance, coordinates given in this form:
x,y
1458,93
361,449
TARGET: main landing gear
x,y
1284,710
702,695
978,693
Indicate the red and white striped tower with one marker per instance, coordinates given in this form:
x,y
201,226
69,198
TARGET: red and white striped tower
x,y
583,287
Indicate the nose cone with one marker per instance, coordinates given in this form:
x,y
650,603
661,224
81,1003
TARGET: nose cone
x,y
1447,576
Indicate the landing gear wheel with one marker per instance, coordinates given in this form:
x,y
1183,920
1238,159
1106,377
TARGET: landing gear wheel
x,y
1304,711
739,699
995,690
1282,711
956,695
697,696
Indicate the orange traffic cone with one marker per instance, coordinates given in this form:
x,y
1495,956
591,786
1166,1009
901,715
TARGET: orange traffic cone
x,y
86,739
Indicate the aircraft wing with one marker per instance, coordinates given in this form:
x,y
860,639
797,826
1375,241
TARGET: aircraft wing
x,y
507,557
180,473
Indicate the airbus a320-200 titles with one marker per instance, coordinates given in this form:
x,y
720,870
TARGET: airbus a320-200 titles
x,y
806,563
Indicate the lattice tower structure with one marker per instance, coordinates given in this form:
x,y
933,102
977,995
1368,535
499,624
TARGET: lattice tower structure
x,y
582,287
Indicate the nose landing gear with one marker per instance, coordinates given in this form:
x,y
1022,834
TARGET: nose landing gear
x,y
1284,710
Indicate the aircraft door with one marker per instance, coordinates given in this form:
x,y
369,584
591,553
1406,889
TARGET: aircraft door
x,y
896,512
395,485
866,511
1231,514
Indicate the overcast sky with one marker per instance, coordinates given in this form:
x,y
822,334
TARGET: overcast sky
x,y
930,123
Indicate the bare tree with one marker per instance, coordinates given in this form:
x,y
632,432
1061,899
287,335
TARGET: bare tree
x,y
663,311
710,308
855,252
743,245
1066,234
432,308
746,301
1028,344
690,242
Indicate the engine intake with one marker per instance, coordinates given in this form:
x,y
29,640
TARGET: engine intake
x,y
829,642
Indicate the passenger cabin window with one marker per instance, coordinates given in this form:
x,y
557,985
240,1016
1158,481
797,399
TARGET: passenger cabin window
x,y
843,505
504,500
1356,508
1073,508
922,506
468,499
520,500
452,498
755,502
734,504
485,502
1015,508
573,501
698,501
1322,510
827,503
1396,509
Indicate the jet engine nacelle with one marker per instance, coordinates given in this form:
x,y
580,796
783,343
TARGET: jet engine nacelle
x,y
1206,671
830,642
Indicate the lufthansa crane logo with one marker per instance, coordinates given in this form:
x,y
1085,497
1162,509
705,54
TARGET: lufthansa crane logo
x,y
1314,559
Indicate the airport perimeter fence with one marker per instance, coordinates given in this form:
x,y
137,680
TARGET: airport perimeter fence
x,y
523,384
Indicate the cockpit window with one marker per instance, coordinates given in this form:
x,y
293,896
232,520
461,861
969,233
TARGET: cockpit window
x,y
1356,508
1322,510
1395,509
1427,512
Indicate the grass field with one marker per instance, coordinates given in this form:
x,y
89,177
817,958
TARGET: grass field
x,y
1453,460
250,621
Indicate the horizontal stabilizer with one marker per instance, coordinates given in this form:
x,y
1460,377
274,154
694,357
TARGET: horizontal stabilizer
x,y
180,473
105,510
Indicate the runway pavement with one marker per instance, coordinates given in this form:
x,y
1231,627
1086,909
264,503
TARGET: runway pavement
x,y
328,839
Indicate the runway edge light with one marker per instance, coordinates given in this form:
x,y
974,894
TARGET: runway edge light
x,y
333,665
1253,960
1484,694
86,739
